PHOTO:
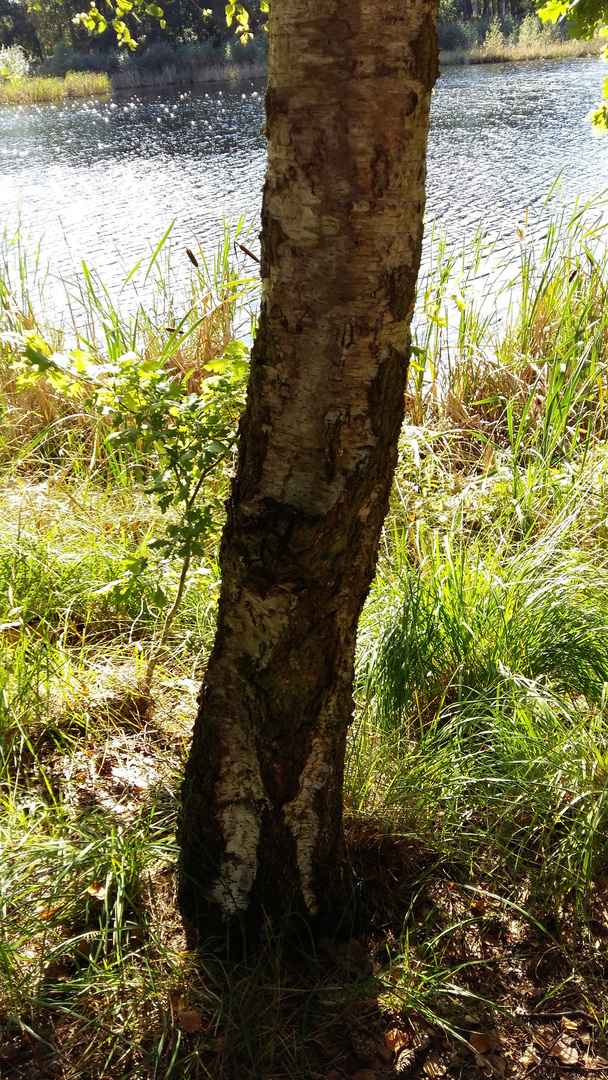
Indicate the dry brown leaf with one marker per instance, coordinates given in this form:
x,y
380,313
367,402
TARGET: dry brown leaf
x,y
396,1039
333,1074
498,1063
480,1042
478,905
568,1055
420,1040
405,1062
97,891
327,1045
559,1045
434,1065
49,912
356,950
217,1045
529,1057
364,1074
190,1020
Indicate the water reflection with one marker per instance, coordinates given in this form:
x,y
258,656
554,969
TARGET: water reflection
x,y
101,180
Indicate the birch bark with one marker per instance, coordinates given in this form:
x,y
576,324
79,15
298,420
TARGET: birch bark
x,y
347,111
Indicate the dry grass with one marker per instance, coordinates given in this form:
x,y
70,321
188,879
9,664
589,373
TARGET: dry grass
x,y
134,78
542,49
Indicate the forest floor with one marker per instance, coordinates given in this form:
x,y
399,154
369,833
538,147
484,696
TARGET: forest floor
x,y
476,790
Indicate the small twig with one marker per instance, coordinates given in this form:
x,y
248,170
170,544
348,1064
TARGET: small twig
x,y
157,652
572,1014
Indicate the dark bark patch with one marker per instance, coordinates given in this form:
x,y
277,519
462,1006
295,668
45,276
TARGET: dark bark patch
x,y
276,106
425,49
410,102
273,235
381,168
402,292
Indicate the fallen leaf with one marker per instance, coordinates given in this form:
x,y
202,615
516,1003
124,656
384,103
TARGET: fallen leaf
x,y
333,1074
96,890
405,1061
364,1074
568,1055
356,949
217,1045
328,1046
420,1040
49,912
568,1024
190,1020
529,1057
498,1063
396,1039
478,905
434,1065
480,1041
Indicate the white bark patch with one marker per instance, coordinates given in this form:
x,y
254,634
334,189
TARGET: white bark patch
x,y
240,796
301,817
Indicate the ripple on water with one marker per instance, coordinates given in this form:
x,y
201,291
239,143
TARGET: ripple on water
x,y
499,136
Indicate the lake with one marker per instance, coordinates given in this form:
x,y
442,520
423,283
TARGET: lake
x,y
102,180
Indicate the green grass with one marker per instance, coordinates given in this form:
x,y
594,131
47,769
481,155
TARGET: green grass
x,y
477,771
39,88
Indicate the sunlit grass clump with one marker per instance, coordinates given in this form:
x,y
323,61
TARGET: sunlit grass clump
x,y
39,88
483,650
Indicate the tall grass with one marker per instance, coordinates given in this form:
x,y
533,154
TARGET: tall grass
x,y
477,772
483,659
39,88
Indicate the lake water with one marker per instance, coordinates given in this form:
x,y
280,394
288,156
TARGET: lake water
x,y
102,180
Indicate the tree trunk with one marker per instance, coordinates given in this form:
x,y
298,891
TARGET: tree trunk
x,y
347,114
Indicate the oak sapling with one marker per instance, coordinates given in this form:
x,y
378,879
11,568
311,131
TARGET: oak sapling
x,y
150,414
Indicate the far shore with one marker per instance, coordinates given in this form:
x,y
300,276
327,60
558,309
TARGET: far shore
x,y
86,84
558,49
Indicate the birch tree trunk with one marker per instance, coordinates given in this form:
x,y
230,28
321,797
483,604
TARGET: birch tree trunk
x,y
347,112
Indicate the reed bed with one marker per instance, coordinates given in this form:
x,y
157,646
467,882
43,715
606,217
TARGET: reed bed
x,y
38,88
173,75
477,776
544,48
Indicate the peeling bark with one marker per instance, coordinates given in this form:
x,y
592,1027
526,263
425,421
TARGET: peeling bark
x,y
347,112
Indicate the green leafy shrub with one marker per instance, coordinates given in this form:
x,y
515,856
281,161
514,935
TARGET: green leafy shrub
x,y
13,63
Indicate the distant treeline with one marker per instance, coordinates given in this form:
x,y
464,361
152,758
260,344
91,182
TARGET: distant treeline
x,y
196,43
50,36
